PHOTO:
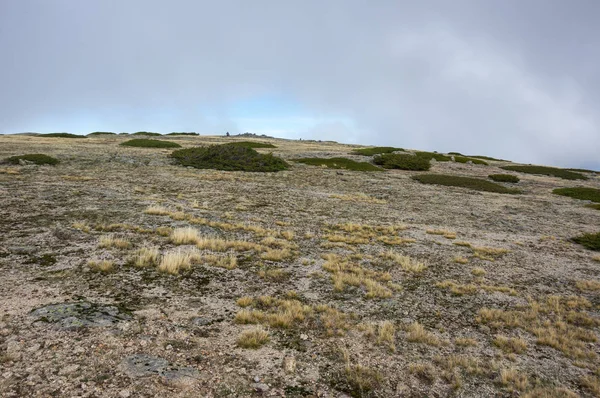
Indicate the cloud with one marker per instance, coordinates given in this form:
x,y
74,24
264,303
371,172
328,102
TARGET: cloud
x,y
511,79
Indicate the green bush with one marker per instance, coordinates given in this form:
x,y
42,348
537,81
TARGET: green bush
x,y
433,155
595,206
147,133
402,162
146,143
465,159
339,163
101,133
375,150
63,135
548,171
592,194
455,153
36,158
584,171
251,144
465,182
229,158
504,178
488,158
183,134
589,241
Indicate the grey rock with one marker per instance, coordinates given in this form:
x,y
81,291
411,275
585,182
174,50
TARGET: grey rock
x,y
199,321
260,387
76,315
22,249
142,365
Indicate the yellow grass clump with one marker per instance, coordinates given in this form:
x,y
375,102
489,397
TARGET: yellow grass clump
x,y
101,266
407,263
253,338
175,260
460,260
514,345
386,335
245,301
478,271
146,256
417,334
157,210
109,241
443,232
588,285
276,254
228,261
184,236
514,380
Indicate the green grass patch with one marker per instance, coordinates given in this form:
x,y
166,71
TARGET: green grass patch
x,y
592,194
339,163
433,155
102,133
36,158
465,159
548,171
146,143
504,178
589,241
488,158
147,133
464,182
402,162
584,171
183,133
377,150
595,206
229,158
251,144
63,135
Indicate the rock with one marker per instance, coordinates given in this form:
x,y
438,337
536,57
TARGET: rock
x,y
256,379
289,364
22,249
83,314
260,387
124,394
13,350
303,337
199,321
67,370
142,365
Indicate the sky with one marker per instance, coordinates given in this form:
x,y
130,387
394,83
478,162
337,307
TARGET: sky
x,y
515,79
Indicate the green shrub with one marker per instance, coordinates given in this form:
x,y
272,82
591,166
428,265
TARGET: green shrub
x,y
584,171
375,150
548,171
402,162
339,163
465,182
146,143
183,134
456,153
589,241
101,133
251,144
465,159
36,158
592,194
229,158
63,135
504,178
488,158
433,155
595,206
147,133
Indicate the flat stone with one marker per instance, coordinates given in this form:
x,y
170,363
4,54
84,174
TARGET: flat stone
x,y
83,314
142,365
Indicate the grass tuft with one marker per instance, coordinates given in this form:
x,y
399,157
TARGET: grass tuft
x,y
464,182
548,171
253,338
174,261
418,334
229,158
147,143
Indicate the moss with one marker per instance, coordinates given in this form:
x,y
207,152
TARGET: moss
x,y
589,241
504,178
549,171
251,144
62,135
592,194
147,133
375,150
339,163
402,162
36,158
464,182
146,143
229,158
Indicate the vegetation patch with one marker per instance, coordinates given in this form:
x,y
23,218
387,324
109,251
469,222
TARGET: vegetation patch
x,y
591,194
433,155
402,162
464,182
488,158
147,133
62,135
375,150
251,144
504,178
548,171
595,206
102,133
146,143
589,241
466,159
175,133
339,163
229,158
36,158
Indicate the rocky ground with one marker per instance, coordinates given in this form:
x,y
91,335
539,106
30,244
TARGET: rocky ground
x,y
366,283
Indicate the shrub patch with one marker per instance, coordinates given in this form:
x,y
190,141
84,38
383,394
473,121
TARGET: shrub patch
x,y
504,178
339,163
548,171
36,158
63,135
465,182
251,144
402,162
375,150
589,241
592,194
146,143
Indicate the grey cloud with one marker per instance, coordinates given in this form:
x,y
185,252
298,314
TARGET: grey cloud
x,y
515,79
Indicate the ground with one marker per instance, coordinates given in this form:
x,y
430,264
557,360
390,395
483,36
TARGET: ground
x,y
354,283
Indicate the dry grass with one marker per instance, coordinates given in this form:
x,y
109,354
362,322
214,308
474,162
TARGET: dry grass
x,y
228,261
245,301
424,371
82,226
596,258
592,384
515,345
588,285
489,253
514,380
175,260
550,392
416,333
443,232
461,243
163,231
101,266
465,342
386,335
222,245
395,240
157,210
273,273
346,273
348,239
456,288
109,241
407,263
360,197
276,254
478,271
253,338
460,260
146,256
185,236
287,235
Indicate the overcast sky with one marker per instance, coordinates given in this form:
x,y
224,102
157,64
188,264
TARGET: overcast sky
x,y
517,79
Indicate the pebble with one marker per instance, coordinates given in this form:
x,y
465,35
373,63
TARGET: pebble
x,y
303,336
260,387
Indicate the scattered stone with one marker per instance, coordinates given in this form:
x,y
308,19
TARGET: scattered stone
x,y
303,336
199,321
260,387
13,350
67,370
289,364
76,315
22,249
142,365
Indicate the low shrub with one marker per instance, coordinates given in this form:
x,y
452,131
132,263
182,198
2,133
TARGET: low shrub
x,y
147,133
63,135
433,155
36,158
465,182
251,144
488,158
101,133
183,134
375,150
548,171
595,206
146,143
456,153
339,163
466,159
589,241
584,171
504,178
402,162
592,194
229,158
